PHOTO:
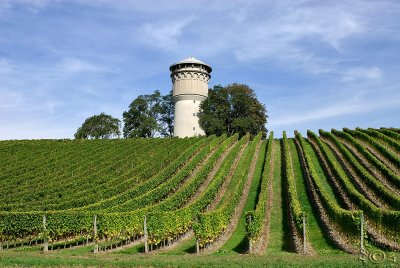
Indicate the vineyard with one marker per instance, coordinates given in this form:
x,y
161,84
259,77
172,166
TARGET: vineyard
x,y
334,192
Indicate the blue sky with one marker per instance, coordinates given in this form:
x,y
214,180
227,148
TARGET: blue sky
x,y
314,64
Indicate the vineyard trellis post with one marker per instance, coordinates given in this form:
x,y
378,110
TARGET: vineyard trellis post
x,y
197,246
96,245
146,246
362,233
304,235
45,240
249,219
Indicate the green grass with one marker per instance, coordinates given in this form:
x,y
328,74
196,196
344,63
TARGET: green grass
x,y
187,247
316,237
277,238
132,250
238,242
83,258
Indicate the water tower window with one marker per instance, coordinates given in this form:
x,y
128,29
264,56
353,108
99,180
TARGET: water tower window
x,y
194,114
194,128
194,101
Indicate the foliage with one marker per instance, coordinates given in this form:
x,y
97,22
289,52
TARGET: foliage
x,y
211,225
390,133
150,116
394,158
100,126
232,109
380,136
255,226
167,115
141,118
390,175
123,180
290,187
381,219
387,195
340,217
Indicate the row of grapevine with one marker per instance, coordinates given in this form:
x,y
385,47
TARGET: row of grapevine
x,y
175,217
102,189
390,175
163,225
393,144
153,182
256,218
167,225
60,223
390,133
211,225
66,192
197,187
389,197
395,159
295,212
38,173
344,221
380,219
155,195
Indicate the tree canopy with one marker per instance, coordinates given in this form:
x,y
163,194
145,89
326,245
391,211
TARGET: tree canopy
x,y
100,126
149,116
232,109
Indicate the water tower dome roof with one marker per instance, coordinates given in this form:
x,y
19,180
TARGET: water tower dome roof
x,y
191,60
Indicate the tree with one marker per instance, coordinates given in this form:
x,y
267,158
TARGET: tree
x,y
100,126
150,116
167,115
232,109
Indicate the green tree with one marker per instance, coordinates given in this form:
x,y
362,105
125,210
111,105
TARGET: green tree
x,y
232,109
100,126
167,115
149,116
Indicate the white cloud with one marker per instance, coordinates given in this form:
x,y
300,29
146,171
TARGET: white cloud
x,y
164,35
332,110
294,34
362,73
75,65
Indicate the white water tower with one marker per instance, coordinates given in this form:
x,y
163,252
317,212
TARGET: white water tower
x,y
190,87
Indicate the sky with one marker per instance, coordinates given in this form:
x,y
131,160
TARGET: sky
x,y
314,64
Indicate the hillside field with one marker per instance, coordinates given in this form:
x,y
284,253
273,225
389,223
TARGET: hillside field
x,y
330,199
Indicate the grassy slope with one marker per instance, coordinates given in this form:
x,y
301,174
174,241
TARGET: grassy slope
x,y
317,239
238,242
278,227
82,257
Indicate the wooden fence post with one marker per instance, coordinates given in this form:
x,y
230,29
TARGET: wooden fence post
x,y
362,234
96,245
146,246
304,235
250,242
197,247
45,238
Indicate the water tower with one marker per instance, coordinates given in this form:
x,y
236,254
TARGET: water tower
x,y
190,87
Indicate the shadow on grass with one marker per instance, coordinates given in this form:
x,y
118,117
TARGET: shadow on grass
x,y
191,249
242,247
